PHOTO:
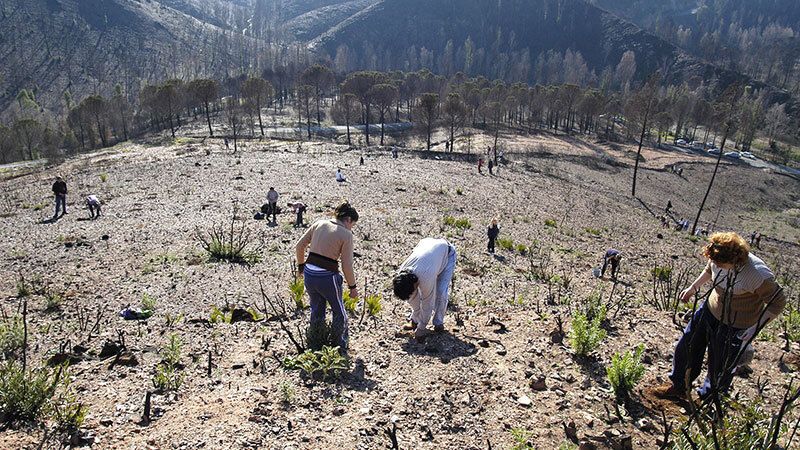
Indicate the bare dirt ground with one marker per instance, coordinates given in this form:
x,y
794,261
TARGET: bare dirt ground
x,y
460,389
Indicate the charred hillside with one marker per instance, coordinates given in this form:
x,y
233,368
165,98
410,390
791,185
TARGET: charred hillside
x,y
65,50
58,48
503,39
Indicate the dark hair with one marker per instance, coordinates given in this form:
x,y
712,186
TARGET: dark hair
x,y
403,284
344,211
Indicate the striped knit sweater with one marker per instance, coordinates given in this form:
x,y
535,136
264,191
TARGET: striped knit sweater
x,y
751,288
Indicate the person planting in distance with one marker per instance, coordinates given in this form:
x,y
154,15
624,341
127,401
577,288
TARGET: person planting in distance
x,y
93,203
329,241
612,257
492,232
272,200
60,192
743,299
299,208
424,281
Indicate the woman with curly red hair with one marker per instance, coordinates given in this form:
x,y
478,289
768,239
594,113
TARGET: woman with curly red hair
x,y
744,297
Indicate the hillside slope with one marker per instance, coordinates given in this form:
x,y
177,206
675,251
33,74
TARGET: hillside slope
x,y
55,47
316,22
460,389
757,38
744,12
58,46
505,35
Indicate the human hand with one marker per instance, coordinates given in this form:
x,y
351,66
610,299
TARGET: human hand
x,y
354,293
687,294
747,334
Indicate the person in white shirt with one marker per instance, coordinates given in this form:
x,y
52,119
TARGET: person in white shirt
x,y
424,281
340,176
94,206
272,200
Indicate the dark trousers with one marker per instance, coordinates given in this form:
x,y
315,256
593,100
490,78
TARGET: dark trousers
x,y
273,209
325,288
61,202
94,210
491,245
299,221
614,266
723,343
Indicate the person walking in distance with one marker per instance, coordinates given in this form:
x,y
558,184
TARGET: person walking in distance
x,y
329,241
492,232
272,199
60,192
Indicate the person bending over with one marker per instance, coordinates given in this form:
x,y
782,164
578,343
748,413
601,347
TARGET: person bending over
x,y
93,203
328,241
424,281
612,258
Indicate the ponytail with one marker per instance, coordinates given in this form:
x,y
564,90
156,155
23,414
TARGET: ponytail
x,y
344,211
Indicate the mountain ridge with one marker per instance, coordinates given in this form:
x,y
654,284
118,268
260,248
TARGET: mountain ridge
x,y
83,47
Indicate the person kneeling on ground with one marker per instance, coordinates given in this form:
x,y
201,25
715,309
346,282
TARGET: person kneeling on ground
x,y
94,206
424,281
328,241
612,257
340,176
744,298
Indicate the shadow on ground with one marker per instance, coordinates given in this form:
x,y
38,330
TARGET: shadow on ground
x,y
444,346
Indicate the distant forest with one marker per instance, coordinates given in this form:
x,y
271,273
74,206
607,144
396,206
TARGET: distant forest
x,y
236,108
153,65
760,38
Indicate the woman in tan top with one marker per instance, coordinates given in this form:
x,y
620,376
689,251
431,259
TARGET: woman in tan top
x,y
743,299
328,242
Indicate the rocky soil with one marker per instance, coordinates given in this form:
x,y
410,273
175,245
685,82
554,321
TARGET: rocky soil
x,y
497,368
